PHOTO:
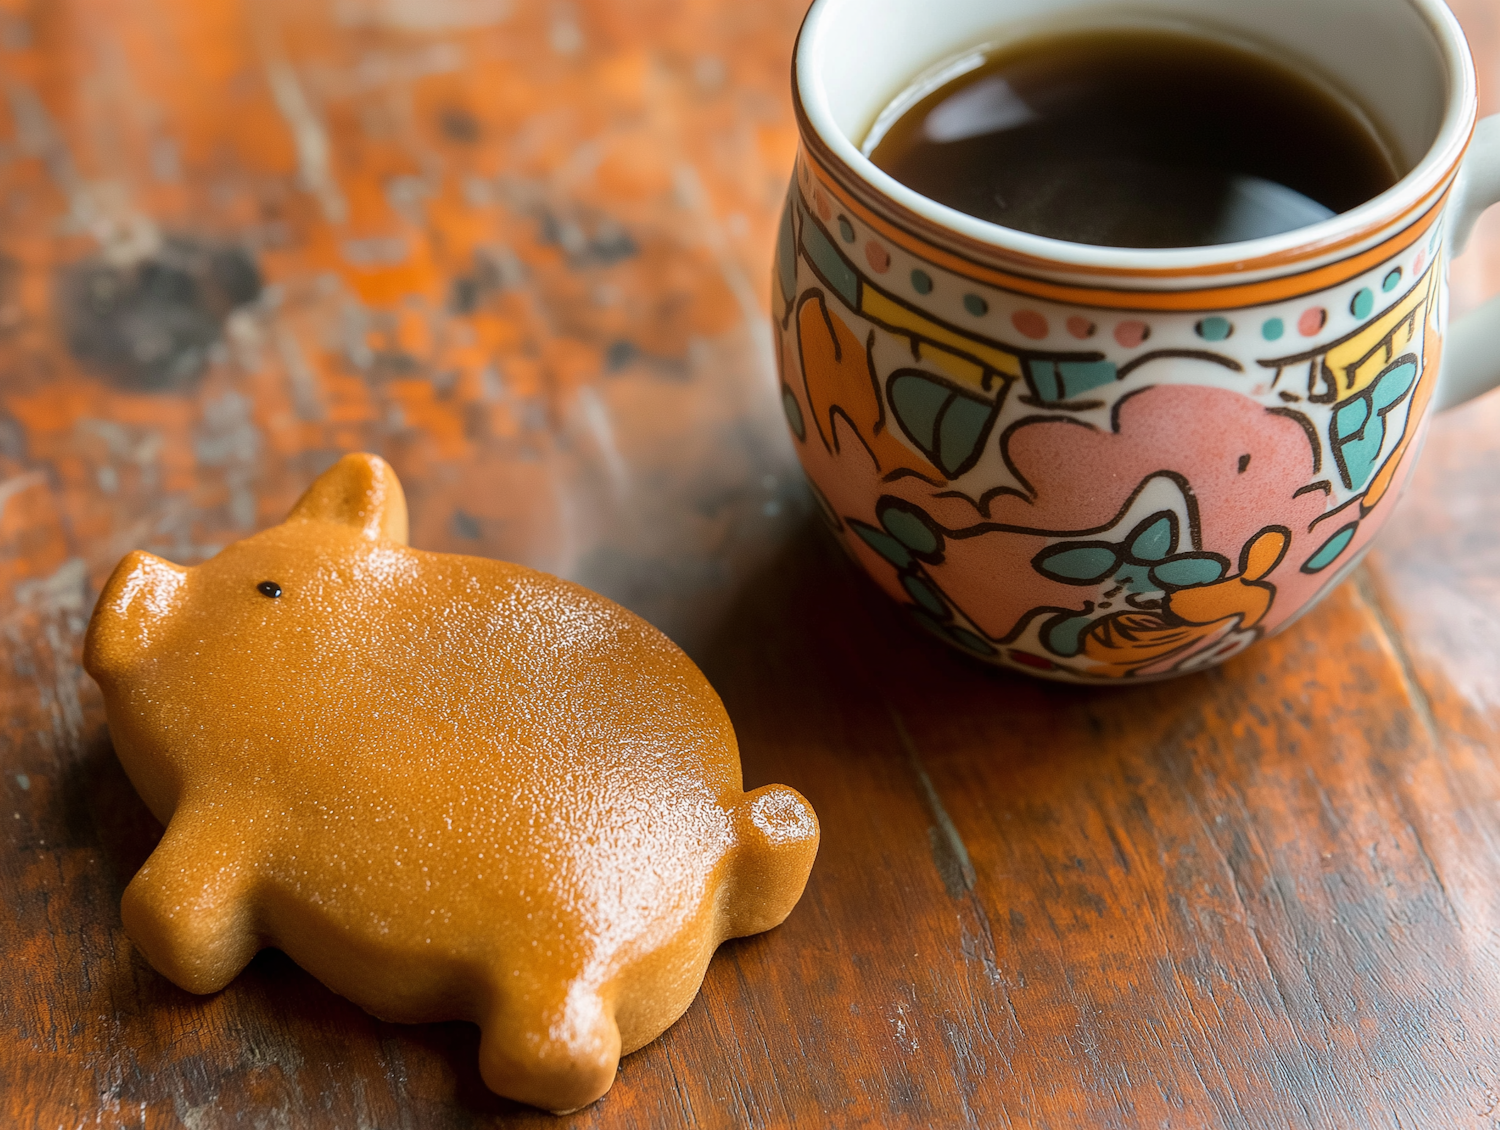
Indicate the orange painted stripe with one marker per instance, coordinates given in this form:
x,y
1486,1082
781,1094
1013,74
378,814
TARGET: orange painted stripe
x,y
1185,301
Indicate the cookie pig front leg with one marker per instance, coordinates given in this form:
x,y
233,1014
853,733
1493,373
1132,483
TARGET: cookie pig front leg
x,y
188,907
556,1047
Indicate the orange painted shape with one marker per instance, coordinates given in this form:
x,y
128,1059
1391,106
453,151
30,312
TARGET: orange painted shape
x,y
840,382
1264,554
1124,642
1214,604
1245,598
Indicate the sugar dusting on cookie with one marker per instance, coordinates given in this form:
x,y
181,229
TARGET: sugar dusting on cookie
x,y
448,787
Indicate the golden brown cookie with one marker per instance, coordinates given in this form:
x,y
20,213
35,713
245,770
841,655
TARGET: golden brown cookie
x,y
448,787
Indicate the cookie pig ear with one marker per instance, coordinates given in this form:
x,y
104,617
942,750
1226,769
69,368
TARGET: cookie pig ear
x,y
360,491
138,603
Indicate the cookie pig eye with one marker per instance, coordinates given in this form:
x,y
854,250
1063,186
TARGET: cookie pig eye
x,y
269,588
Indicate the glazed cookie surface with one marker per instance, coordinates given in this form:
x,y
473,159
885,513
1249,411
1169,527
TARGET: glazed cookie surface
x,y
448,787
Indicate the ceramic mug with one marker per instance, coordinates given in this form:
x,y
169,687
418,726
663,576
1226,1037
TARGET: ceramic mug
x,y
1095,463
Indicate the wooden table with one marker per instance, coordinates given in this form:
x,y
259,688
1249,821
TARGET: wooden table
x,y
521,248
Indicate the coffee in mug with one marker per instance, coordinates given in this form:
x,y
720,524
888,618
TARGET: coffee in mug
x,y
1132,137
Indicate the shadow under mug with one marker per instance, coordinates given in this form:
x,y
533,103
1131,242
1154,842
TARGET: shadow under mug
x,y
1093,463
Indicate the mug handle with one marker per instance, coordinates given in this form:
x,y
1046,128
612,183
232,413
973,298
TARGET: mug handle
x,y
1471,356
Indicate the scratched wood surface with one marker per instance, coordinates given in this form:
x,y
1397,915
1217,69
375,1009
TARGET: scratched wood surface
x,y
520,248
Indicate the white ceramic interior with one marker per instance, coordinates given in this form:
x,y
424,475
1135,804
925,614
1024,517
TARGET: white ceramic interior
x,y
1405,62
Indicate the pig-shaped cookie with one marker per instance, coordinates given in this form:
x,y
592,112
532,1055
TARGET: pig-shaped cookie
x,y
447,787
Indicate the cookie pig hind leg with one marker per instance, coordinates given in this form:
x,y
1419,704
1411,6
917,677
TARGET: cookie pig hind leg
x,y
777,834
188,908
556,1049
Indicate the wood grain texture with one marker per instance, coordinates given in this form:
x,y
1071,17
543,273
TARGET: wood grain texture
x,y
520,250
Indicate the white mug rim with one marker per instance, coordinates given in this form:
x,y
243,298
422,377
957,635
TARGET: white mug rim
x,y
1439,163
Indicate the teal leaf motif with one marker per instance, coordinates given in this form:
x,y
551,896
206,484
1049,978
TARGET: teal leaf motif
x,y
1054,381
1154,543
910,530
1360,454
885,545
947,423
830,263
1359,427
1078,565
793,412
922,593
1332,548
917,401
969,641
1186,572
1350,419
1394,385
961,636
961,432
1066,638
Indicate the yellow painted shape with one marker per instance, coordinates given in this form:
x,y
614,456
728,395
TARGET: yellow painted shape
x,y
959,368
891,314
1360,360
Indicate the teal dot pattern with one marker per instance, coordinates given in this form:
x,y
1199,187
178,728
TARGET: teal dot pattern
x,y
921,281
1274,329
1215,329
976,305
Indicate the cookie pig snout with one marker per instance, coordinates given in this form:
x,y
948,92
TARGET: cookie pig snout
x,y
139,597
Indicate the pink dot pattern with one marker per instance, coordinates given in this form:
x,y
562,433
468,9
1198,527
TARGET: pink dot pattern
x,y
1029,323
878,257
1312,321
1132,334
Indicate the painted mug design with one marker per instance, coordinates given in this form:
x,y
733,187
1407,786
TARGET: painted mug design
x,y
1080,489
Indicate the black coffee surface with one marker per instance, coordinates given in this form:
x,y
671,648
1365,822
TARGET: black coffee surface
x,y
1137,138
